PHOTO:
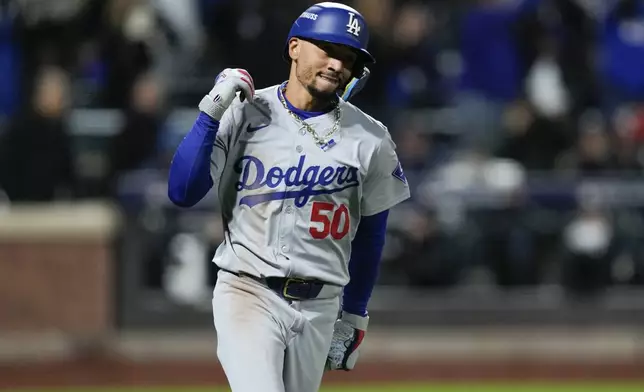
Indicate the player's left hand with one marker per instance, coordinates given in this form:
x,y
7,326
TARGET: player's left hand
x,y
348,334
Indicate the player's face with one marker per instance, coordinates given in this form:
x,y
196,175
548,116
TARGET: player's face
x,y
323,67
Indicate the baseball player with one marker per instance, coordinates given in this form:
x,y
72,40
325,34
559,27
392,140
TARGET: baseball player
x,y
305,181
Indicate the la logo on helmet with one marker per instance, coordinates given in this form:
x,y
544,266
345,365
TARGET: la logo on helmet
x,y
353,27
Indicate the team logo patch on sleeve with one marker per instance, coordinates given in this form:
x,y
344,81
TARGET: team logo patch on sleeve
x,y
399,173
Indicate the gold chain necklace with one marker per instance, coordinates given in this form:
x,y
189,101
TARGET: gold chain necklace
x,y
323,142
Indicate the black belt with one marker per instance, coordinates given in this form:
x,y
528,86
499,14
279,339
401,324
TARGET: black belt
x,y
288,288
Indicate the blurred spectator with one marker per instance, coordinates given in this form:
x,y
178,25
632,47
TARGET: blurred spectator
x,y
535,136
556,44
491,63
36,162
187,35
124,33
50,31
589,247
419,151
592,155
572,25
479,200
429,256
413,77
545,88
90,75
136,145
218,20
504,242
628,136
493,68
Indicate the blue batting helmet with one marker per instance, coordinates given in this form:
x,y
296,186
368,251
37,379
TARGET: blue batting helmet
x,y
335,23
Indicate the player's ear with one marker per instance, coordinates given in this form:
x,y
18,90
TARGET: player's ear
x,y
294,48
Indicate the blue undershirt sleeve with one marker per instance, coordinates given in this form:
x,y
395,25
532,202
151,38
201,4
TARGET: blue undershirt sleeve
x,y
189,178
366,252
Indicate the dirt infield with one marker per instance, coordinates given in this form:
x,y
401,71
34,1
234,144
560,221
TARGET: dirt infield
x,y
116,372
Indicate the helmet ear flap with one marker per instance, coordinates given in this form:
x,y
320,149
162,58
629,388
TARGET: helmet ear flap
x,y
355,85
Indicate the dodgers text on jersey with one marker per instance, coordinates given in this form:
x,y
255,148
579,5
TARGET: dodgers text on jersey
x,y
317,180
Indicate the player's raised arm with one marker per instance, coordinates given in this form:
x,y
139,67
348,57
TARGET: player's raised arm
x,y
190,176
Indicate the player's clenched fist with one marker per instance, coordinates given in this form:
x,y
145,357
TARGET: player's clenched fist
x,y
348,334
227,84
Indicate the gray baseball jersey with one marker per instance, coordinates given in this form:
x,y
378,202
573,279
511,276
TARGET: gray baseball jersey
x,y
290,207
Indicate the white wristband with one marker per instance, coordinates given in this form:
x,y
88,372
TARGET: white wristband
x,y
208,106
358,322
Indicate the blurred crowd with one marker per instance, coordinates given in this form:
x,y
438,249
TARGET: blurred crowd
x,y
519,123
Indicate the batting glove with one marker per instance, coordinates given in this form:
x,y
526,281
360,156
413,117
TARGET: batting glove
x,y
356,85
227,84
348,334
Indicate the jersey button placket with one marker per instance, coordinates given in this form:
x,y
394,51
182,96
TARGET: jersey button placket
x,y
288,209
287,220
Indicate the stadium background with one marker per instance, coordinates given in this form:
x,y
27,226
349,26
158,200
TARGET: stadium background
x,y
519,123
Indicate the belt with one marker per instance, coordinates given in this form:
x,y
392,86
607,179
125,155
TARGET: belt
x,y
294,289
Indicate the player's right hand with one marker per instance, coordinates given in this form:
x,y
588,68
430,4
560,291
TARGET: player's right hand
x,y
227,84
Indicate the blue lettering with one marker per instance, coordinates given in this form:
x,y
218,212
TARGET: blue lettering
x,y
253,175
274,177
245,169
352,175
340,171
295,173
326,177
311,176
